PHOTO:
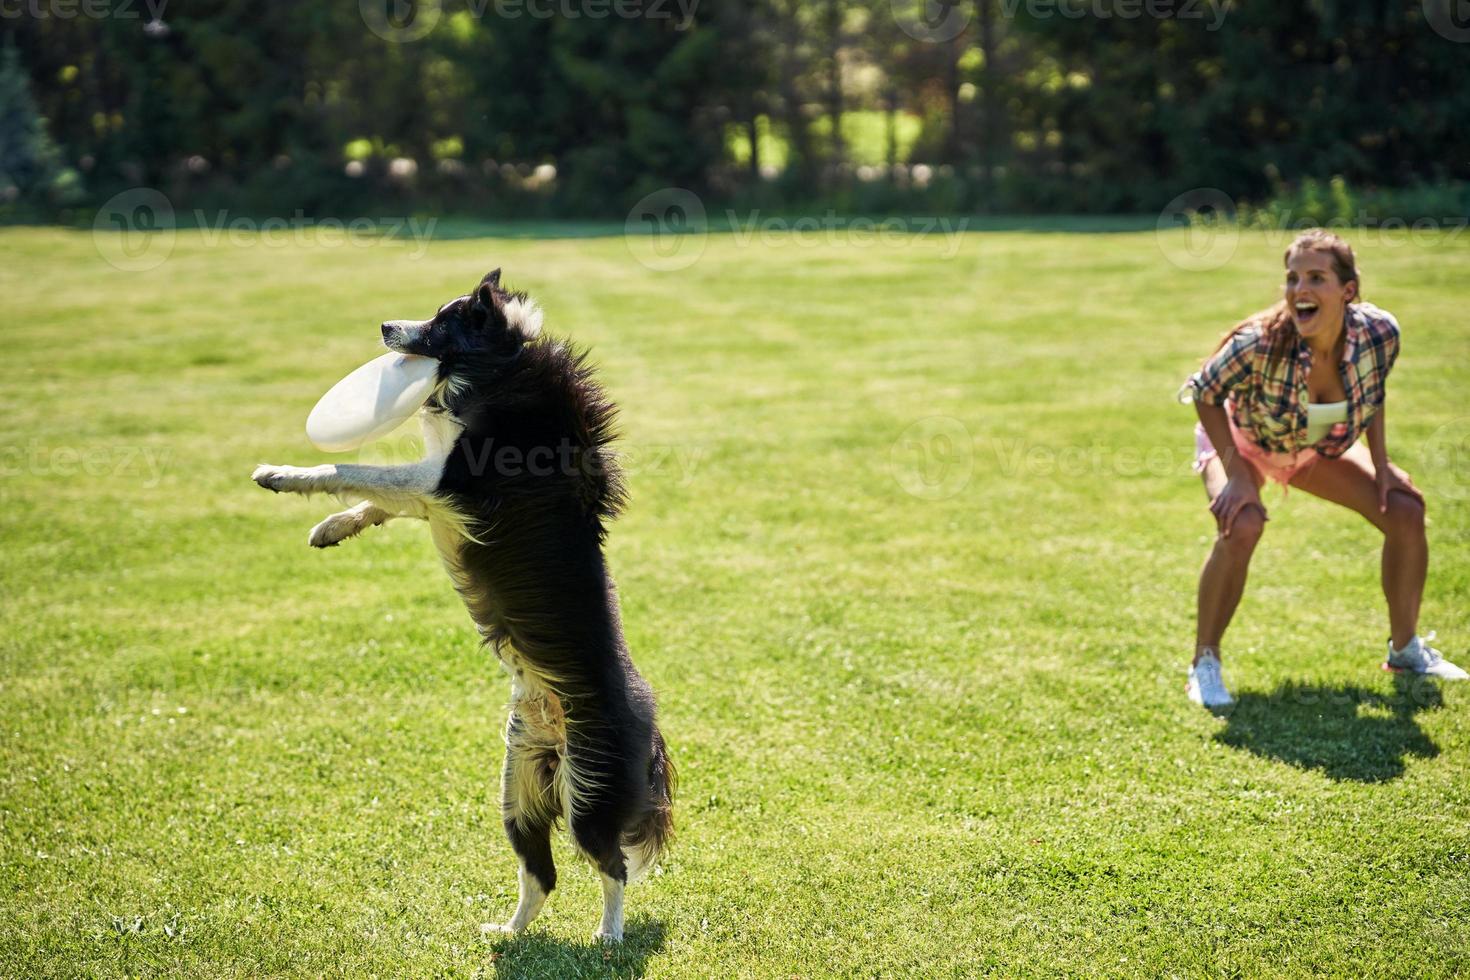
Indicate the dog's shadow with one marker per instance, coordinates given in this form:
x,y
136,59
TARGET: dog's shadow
x,y
538,955
1346,732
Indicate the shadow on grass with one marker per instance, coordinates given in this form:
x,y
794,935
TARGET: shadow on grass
x,y
536,955
1347,732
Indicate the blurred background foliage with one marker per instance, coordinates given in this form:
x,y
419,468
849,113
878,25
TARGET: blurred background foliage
x,y
278,105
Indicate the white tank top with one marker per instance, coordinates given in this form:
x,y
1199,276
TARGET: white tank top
x,y
1322,416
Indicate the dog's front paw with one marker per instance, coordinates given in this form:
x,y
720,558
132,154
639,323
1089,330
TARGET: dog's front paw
x,y
287,479
497,929
325,535
333,530
273,478
607,935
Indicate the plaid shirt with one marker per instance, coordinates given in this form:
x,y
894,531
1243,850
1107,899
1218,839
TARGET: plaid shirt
x,y
1269,402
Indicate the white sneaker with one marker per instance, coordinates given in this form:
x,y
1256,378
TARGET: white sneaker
x,y
1421,658
1206,685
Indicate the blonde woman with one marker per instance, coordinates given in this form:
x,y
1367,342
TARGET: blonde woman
x,y
1288,394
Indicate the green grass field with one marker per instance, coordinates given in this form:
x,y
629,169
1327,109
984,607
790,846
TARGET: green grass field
x,y
910,558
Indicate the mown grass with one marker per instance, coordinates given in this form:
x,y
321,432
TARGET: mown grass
x,y
923,679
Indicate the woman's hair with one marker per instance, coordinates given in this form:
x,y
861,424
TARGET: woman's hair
x,y
1276,321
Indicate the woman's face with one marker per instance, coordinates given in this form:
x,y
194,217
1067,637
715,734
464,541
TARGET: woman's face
x,y
1314,295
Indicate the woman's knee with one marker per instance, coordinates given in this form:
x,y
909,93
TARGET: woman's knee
x,y
1405,514
1246,530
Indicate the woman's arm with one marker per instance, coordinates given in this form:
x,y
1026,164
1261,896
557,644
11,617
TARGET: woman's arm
x,y
1217,427
1378,446
1385,474
1241,490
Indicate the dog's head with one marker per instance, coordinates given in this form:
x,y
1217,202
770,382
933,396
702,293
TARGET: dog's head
x,y
487,323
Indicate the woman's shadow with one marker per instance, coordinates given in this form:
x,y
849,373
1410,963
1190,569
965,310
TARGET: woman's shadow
x,y
537,955
1347,732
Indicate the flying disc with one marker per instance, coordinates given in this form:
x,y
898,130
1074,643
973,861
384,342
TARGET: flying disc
x,y
371,402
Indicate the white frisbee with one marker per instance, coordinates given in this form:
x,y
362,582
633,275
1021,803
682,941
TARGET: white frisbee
x,y
371,402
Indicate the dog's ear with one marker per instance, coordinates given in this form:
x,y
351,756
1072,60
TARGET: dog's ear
x,y
489,285
490,301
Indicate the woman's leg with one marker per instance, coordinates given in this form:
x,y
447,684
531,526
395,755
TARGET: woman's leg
x,y
1349,480
1222,581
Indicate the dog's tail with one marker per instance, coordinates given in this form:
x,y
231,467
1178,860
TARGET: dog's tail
x,y
645,840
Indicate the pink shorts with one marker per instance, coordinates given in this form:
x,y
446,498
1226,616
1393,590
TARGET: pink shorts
x,y
1280,467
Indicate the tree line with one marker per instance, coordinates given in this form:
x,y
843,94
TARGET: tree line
x,y
584,106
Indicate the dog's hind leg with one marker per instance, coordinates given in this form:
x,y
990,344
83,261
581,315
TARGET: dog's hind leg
x,y
598,800
536,875
610,929
650,830
349,523
637,845
529,809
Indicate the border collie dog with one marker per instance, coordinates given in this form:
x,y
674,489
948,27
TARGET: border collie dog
x,y
516,484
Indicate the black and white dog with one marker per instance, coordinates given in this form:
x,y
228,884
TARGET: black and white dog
x,y
516,483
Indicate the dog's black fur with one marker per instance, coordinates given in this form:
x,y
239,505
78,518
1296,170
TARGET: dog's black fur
x,y
519,512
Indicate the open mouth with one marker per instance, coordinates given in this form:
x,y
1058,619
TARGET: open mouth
x,y
1305,311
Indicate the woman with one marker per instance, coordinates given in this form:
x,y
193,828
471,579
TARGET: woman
x,y
1288,394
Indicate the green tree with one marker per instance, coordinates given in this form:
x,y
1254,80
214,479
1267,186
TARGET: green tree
x,y
31,168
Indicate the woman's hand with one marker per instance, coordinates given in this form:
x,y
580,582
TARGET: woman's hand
x,y
1390,477
1240,492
